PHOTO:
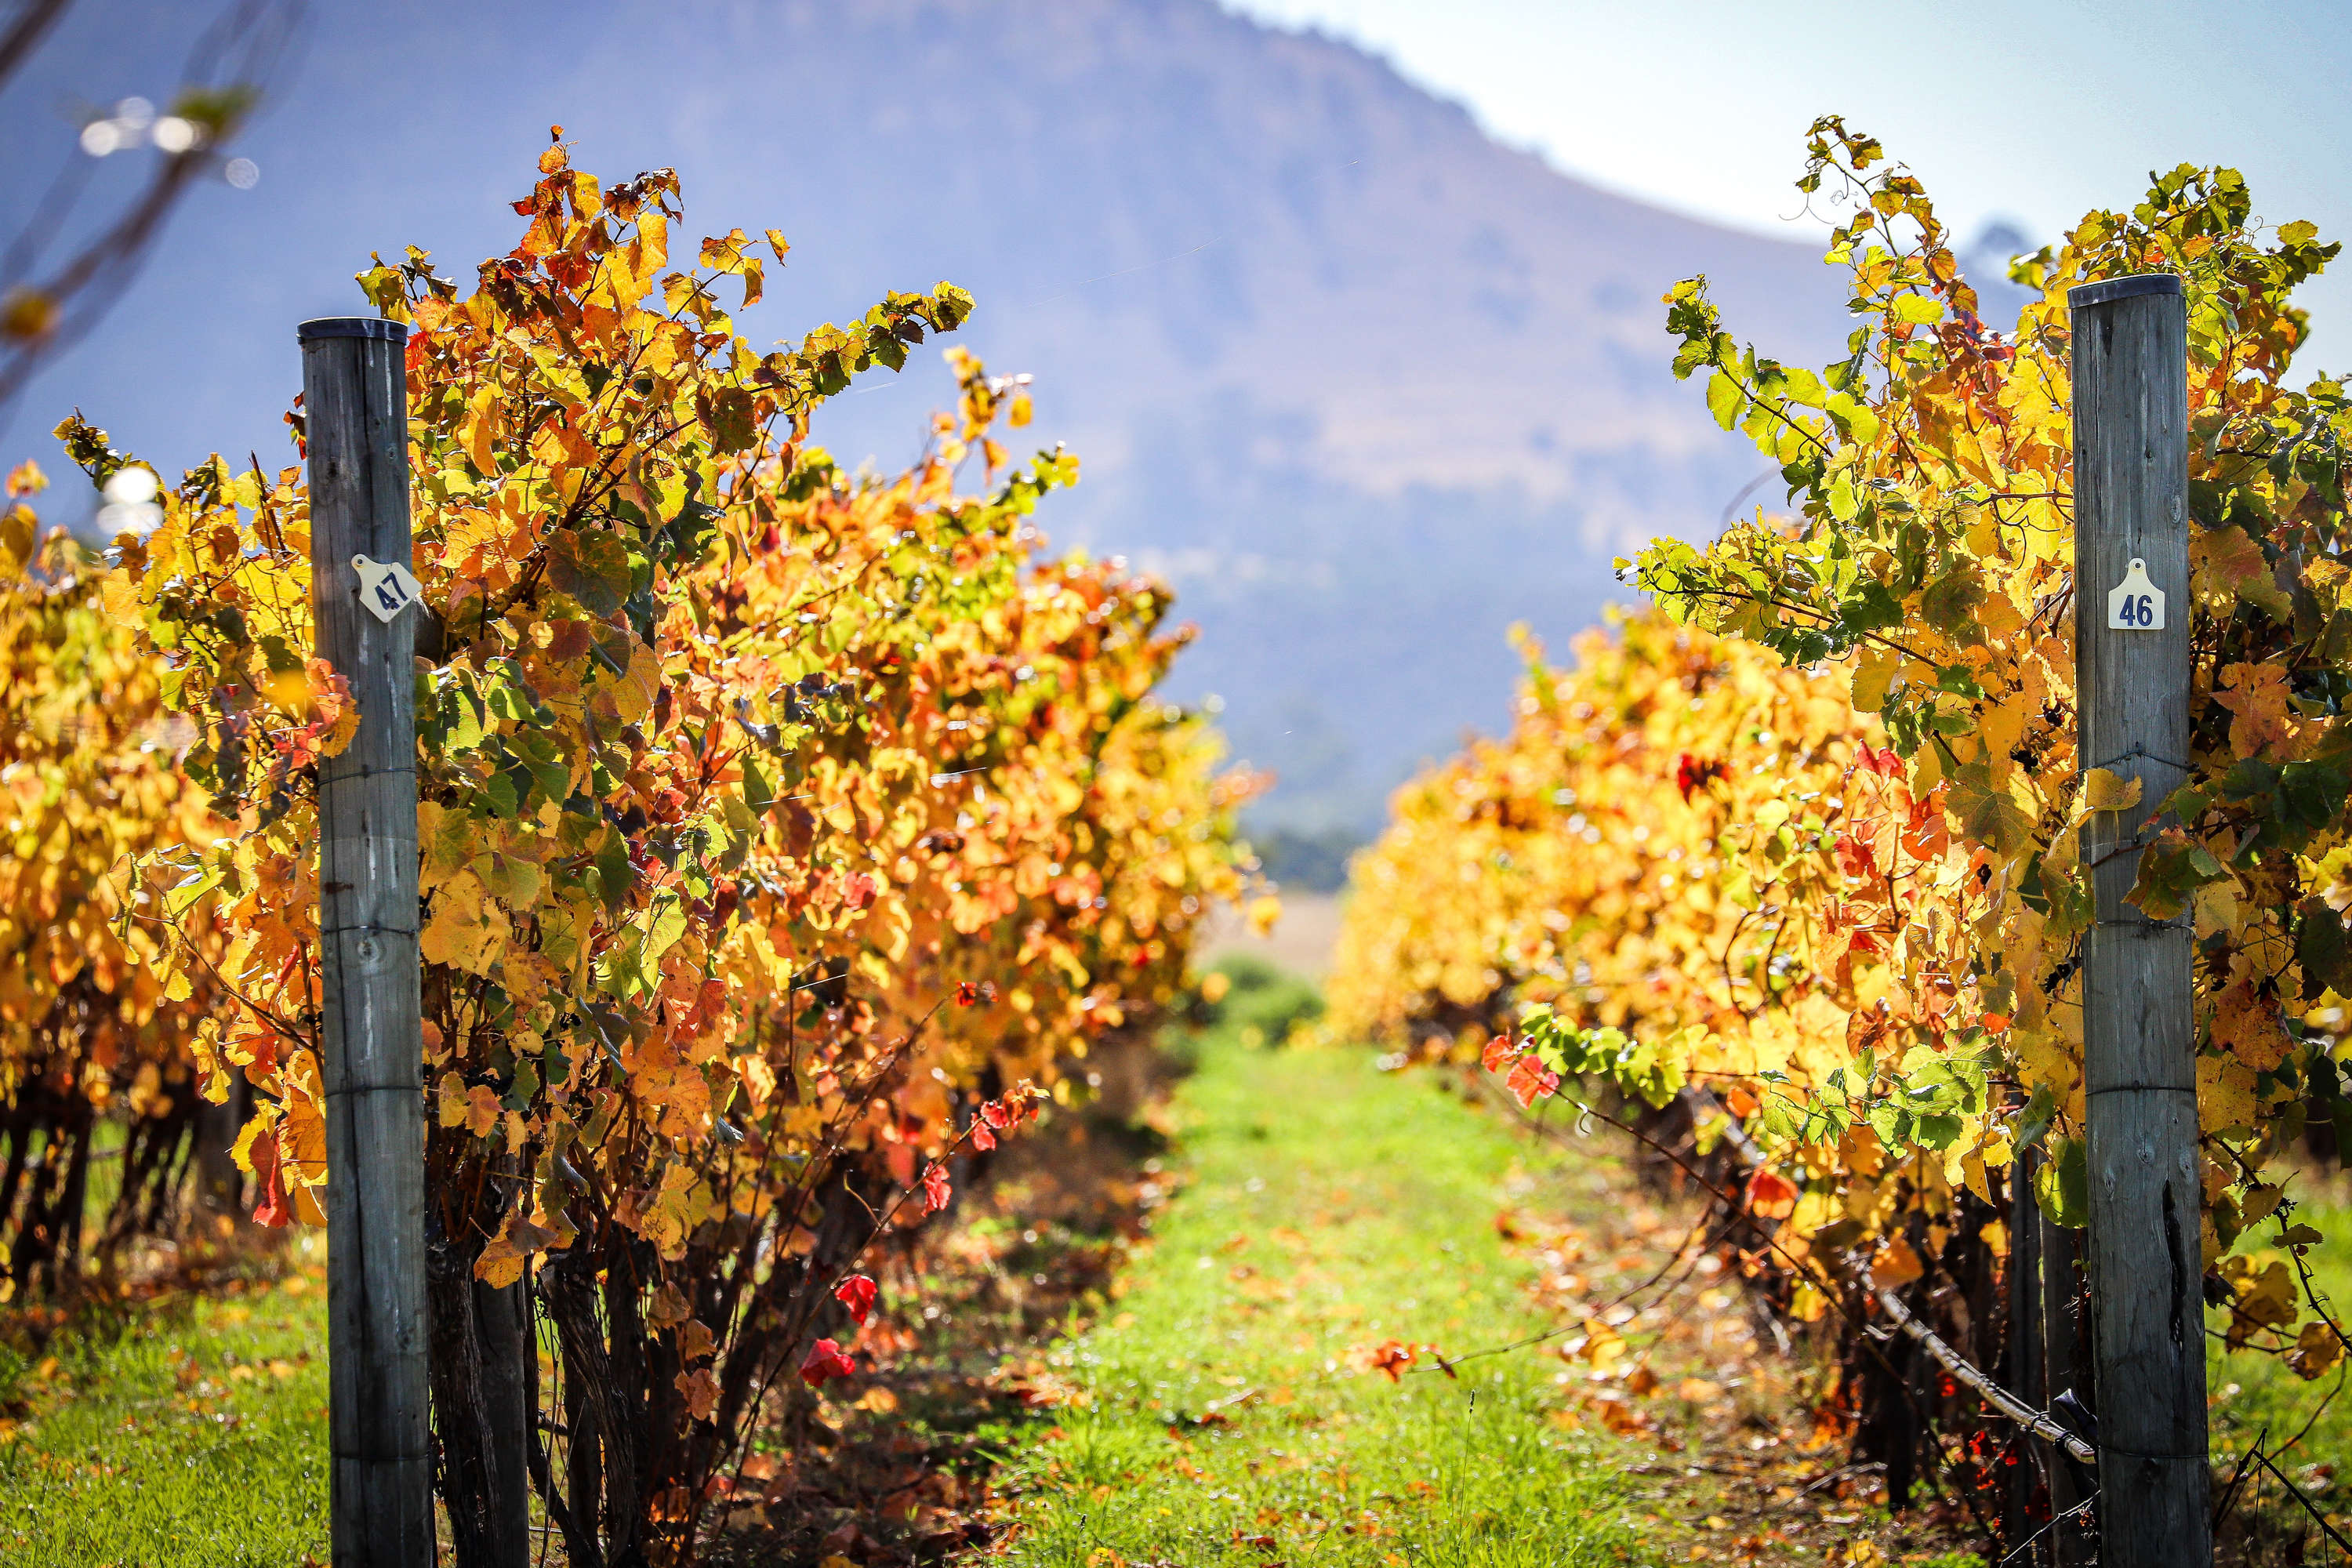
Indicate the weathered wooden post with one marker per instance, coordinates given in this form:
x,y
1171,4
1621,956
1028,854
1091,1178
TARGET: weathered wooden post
x,y
355,400
2139,1042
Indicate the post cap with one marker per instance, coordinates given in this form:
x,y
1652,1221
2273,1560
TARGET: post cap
x,y
2086,294
374,327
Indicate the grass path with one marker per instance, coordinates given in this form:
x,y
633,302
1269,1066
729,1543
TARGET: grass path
x,y
194,1438
1216,1417
1217,1414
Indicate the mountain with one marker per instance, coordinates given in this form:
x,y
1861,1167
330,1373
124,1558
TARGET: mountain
x,y
1365,385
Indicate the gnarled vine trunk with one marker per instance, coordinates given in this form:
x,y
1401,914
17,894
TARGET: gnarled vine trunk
x,y
52,1131
481,1369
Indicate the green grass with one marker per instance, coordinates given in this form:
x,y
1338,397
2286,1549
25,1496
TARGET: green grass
x,y
1261,1005
1216,1418
1213,1417
1215,1414
193,1435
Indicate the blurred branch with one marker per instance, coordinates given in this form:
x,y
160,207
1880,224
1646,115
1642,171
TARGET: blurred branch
x,y
32,23
48,305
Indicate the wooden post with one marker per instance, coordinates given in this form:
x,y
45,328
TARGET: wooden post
x,y
355,400
2140,1040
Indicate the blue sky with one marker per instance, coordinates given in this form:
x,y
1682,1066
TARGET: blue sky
x,y
2037,113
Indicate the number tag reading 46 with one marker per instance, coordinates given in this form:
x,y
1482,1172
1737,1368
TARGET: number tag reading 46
x,y
2136,605
385,586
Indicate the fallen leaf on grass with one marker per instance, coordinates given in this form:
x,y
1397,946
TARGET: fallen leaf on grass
x,y
1620,1418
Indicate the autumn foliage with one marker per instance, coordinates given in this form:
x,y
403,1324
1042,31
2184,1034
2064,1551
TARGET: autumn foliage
x,y
785,831
90,1024
1569,868
1798,847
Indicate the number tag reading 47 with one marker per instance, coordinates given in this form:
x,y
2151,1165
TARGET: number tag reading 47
x,y
2136,605
385,586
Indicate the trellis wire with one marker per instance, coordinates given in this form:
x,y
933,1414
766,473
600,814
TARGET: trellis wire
x,y
2037,1422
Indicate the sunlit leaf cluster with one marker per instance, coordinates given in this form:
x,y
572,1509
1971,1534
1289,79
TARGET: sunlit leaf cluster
x,y
1691,871
774,819
1923,569
90,1023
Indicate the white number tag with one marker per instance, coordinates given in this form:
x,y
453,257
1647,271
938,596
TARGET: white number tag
x,y
385,586
2136,605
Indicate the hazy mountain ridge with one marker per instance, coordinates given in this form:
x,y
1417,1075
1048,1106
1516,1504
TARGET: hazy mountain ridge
x,y
1367,385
